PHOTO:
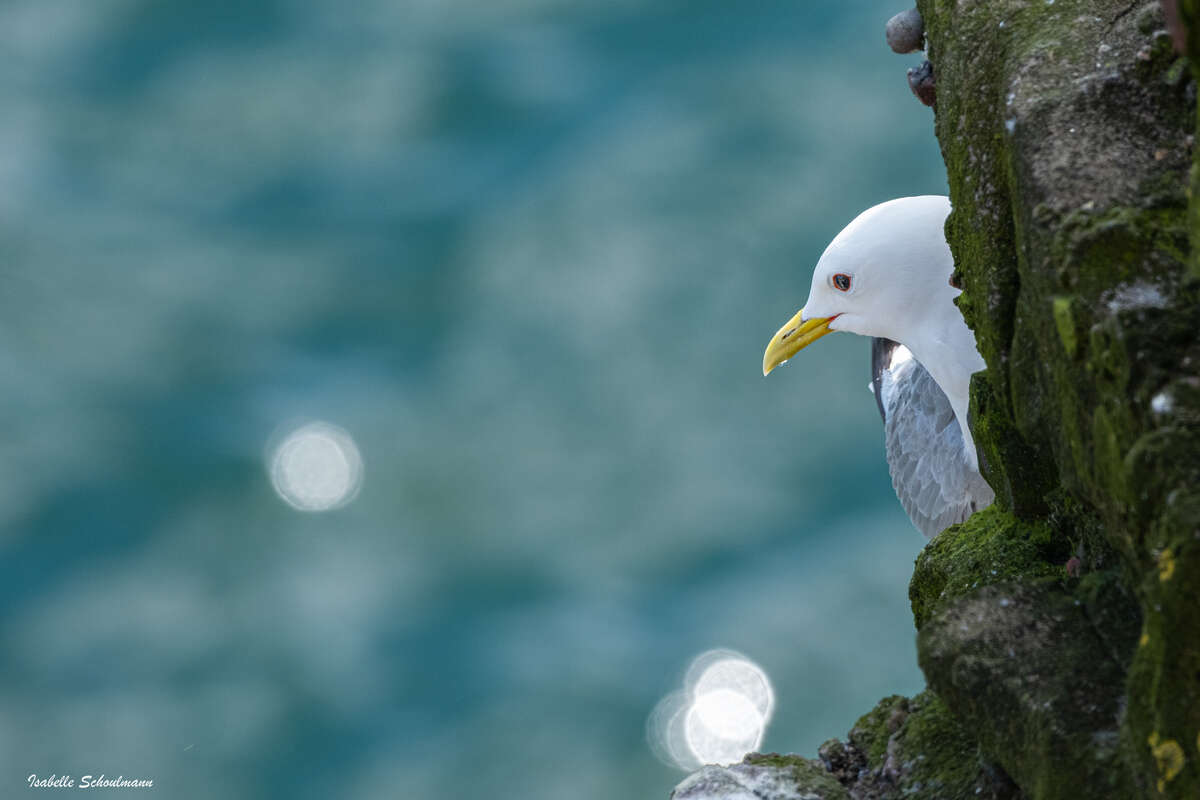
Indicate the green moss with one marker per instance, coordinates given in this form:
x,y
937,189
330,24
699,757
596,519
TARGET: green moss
x,y
916,748
1026,668
1164,679
1110,472
1065,324
1067,133
1190,13
1021,475
776,760
1098,250
808,774
870,734
944,760
993,546
1080,525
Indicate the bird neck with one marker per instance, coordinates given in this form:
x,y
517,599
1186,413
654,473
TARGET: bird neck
x,y
946,348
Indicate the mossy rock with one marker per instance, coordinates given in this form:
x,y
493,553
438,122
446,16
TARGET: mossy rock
x,y
917,748
903,748
762,777
1037,673
1059,630
993,546
1068,132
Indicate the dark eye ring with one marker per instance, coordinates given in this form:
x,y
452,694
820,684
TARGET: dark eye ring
x,y
841,282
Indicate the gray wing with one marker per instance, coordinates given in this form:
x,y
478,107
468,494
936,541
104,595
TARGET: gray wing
x,y
925,452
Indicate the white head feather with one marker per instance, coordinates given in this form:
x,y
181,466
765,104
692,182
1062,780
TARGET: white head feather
x,y
899,265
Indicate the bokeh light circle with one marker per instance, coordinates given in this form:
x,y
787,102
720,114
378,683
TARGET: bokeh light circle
x,y
719,715
728,713
316,467
666,734
722,726
740,675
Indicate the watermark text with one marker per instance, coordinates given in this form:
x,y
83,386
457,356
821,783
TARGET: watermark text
x,y
100,781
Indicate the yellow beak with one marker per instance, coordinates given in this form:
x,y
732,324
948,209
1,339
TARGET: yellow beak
x,y
792,338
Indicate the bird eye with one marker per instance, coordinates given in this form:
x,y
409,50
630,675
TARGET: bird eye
x,y
841,282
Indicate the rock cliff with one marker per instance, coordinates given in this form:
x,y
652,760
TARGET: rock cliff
x,y
1059,630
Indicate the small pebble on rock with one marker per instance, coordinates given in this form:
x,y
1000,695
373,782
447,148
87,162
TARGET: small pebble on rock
x,y
920,80
906,32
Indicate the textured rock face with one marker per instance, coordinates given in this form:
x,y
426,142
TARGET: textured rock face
x,y
1026,669
760,777
1059,630
1067,132
902,748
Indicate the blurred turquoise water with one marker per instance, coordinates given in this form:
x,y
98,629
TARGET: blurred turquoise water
x,y
527,253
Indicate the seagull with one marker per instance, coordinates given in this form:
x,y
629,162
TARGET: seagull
x,y
887,276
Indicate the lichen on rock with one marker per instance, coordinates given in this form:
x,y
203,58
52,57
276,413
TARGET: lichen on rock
x,y
762,777
1024,667
1068,130
992,546
901,748
1059,630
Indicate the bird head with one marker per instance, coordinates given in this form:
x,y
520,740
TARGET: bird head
x,y
886,274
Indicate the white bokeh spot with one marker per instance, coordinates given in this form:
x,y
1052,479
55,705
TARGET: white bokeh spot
x,y
722,726
719,716
316,467
665,731
738,674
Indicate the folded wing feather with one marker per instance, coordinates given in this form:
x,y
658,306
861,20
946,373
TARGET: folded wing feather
x,y
925,451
